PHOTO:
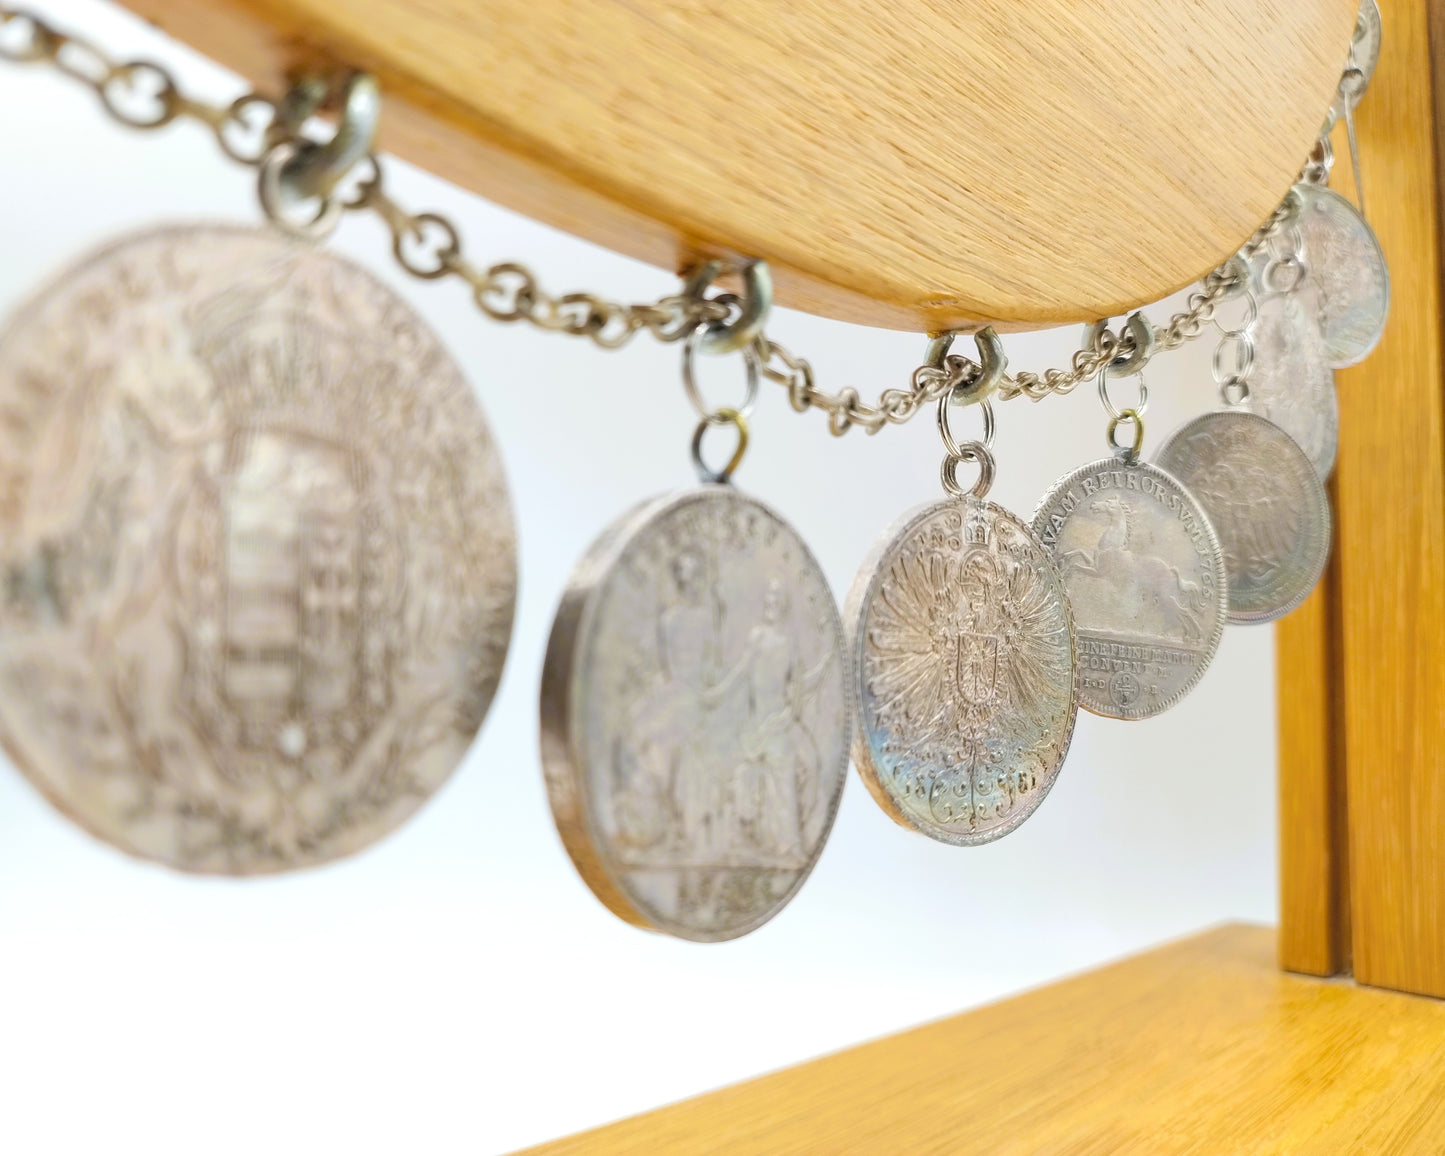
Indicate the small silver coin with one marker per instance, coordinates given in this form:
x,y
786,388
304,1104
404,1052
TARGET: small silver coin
x,y
258,559
1347,269
963,651
1290,383
1145,577
695,718
1266,502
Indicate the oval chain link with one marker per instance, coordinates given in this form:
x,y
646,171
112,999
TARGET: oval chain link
x,y
143,95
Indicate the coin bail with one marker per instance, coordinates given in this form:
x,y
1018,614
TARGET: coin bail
x,y
957,453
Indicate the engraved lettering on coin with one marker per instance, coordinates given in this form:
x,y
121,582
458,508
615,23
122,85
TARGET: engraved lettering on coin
x,y
1347,268
963,650
258,558
1145,578
695,716
1290,383
1265,501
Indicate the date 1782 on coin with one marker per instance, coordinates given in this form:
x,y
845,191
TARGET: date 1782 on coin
x,y
963,647
694,715
257,554
1145,576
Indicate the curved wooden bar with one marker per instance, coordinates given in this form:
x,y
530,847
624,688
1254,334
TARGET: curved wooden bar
x,y
915,163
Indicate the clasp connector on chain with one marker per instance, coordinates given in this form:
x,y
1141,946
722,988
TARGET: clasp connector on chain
x,y
1132,349
753,307
968,388
296,171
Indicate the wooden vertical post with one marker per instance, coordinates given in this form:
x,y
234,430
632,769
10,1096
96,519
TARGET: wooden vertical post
x,y
1391,524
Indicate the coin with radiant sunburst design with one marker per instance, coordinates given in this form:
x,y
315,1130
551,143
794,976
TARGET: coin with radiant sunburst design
x,y
257,554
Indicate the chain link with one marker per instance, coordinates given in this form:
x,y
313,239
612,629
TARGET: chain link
x,y
143,95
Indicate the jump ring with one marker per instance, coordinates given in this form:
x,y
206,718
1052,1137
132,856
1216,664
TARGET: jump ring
x,y
751,361
1129,453
950,443
1243,346
1116,414
724,416
968,452
1251,315
1234,390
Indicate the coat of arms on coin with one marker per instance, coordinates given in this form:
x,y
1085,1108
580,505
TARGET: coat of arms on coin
x,y
1145,576
963,646
258,557
694,715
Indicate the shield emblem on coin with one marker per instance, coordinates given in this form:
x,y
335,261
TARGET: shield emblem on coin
x,y
977,669
287,554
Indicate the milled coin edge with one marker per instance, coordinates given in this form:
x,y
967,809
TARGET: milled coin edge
x,y
562,724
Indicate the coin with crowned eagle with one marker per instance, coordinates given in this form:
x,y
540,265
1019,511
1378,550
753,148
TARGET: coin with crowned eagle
x,y
963,645
257,553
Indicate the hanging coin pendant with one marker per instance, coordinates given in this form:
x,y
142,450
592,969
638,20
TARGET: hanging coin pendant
x,y
1265,501
694,715
963,650
1145,577
1347,268
1290,382
258,560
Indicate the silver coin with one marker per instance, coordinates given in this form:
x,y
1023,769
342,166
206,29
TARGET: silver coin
x,y
1265,501
1365,44
1347,269
694,715
258,559
1145,577
1290,382
963,652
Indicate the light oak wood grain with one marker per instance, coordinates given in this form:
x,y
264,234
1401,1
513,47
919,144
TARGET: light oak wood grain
x,y
1391,524
916,164
1313,838
1201,1047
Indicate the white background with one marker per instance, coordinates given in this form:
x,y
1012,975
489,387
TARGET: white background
x,y
457,988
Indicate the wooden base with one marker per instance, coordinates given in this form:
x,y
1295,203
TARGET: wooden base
x,y
1198,1047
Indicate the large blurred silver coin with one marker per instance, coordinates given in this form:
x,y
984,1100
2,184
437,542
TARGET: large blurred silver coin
x,y
1145,577
963,650
694,714
258,560
1266,502
1290,383
1347,268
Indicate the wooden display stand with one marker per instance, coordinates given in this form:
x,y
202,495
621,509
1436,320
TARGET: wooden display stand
x,y
925,164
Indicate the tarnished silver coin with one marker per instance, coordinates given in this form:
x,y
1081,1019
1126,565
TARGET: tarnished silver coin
x,y
1347,269
1265,501
963,652
1290,383
694,714
258,559
1145,577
